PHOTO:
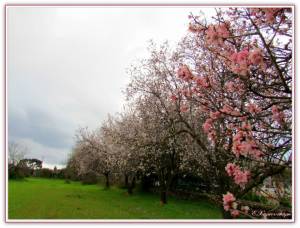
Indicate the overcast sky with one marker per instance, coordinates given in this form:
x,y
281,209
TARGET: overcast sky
x,y
67,68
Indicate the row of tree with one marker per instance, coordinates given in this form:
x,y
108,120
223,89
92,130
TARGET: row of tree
x,y
20,167
218,106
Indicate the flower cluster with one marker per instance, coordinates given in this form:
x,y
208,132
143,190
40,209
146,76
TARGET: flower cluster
x,y
208,125
202,82
196,27
229,110
256,57
184,73
244,144
215,115
267,15
240,177
241,61
277,116
270,14
234,86
215,34
253,108
229,204
173,97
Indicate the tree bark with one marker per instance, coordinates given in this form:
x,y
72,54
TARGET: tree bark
x,y
131,186
126,181
163,197
106,180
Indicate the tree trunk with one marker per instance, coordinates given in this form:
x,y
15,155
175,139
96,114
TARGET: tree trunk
x,y
163,197
131,186
106,180
126,181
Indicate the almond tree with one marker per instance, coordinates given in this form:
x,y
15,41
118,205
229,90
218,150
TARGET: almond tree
x,y
93,154
238,68
163,127
122,133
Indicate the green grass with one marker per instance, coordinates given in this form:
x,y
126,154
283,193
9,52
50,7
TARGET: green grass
x,y
36,198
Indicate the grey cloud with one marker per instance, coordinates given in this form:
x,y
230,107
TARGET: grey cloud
x,y
66,67
39,126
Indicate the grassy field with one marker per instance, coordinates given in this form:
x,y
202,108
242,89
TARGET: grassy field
x,y
36,198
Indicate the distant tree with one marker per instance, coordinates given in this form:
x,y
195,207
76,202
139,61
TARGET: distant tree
x,y
16,152
30,165
94,153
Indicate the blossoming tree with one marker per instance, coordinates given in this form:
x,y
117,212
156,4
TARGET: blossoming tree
x,y
238,67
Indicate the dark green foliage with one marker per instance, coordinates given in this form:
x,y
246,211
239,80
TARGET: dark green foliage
x,y
15,172
24,168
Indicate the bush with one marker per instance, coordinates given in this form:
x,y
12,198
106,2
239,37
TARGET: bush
x,y
45,173
16,172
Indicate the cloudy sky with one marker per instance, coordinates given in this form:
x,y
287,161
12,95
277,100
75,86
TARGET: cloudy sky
x,y
67,67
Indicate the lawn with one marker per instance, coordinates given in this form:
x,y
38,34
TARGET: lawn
x,y
36,198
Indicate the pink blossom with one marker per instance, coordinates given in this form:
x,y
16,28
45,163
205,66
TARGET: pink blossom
x,y
226,207
203,82
226,109
243,118
212,36
212,136
235,213
246,126
243,144
207,126
184,108
228,198
174,97
229,110
215,34
253,108
195,28
236,149
241,177
186,92
229,86
240,135
231,168
245,209
277,116
256,57
275,109
256,153
222,30
184,73
242,56
241,69
240,63
270,14
215,115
